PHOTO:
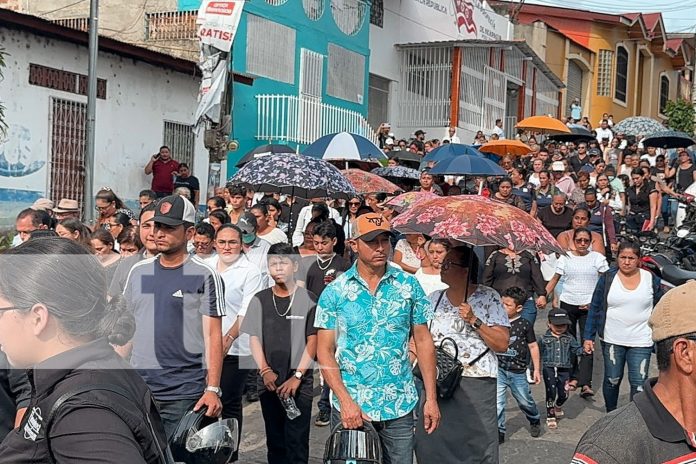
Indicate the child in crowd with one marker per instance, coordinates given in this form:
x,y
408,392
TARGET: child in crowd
x,y
513,363
557,350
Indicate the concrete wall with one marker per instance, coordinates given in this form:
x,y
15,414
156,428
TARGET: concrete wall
x,y
130,121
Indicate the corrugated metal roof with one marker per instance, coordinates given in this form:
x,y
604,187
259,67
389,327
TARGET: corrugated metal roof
x,y
520,45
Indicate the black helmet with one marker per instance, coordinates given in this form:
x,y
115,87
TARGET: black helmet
x,y
204,440
360,446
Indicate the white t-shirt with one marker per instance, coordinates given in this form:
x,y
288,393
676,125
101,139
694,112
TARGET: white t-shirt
x,y
581,276
275,236
628,312
408,256
651,159
430,282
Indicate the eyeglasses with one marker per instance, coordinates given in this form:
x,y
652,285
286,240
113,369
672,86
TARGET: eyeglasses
x,y
227,243
9,308
101,208
582,240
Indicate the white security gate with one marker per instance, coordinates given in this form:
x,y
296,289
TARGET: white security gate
x,y
309,110
495,92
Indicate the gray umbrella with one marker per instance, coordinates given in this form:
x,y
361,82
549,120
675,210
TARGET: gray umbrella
x,y
668,139
638,125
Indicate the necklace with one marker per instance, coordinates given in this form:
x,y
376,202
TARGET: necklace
x,y
275,305
319,261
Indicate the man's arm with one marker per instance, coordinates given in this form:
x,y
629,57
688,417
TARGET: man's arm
x,y
351,415
212,335
428,367
148,166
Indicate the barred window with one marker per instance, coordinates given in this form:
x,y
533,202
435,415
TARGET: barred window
x,y
346,74
270,49
621,73
664,93
377,13
314,9
604,73
181,141
349,15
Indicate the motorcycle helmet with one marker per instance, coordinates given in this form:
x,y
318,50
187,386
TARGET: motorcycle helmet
x,y
204,440
360,446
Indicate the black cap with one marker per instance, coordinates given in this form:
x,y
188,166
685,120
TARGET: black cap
x,y
175,210
419,132
559,317
594,152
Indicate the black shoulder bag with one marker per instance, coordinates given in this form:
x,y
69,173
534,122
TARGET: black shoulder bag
x,y
449,369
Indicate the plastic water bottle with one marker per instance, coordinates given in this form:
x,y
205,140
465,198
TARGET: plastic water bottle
x,y
290,407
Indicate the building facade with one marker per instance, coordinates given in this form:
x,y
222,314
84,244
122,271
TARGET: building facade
x,y
623,65
145,99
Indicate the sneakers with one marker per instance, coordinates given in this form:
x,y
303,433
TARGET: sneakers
x,y
558,411
535,430
551,423
322,419
501,438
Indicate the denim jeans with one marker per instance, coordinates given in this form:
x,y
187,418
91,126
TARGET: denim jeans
x,y
519,387
396,435
555,380
324,400
171,413
615,357
529,310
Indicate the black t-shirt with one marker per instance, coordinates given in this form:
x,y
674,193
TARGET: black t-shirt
x,y
191,182
313,274
576,163
281,328
521,335
15,392
685,177
555,223
640,200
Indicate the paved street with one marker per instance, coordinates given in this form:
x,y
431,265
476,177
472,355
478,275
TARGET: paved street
x,y
552,447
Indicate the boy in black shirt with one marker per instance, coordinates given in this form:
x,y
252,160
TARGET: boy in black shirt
x,y
280,323
513,363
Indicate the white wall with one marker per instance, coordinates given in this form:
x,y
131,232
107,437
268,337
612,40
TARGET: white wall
x,y
130,122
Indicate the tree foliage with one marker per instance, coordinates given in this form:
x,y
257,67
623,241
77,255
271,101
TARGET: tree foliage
x,y
681,115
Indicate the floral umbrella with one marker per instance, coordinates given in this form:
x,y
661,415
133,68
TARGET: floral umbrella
x,y
365,182
477,221
638,125
296,175
405,200
398,172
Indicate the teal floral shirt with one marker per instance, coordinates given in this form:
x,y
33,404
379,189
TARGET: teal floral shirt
x,y
372,333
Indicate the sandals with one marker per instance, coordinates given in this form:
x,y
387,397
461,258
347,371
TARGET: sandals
x,y
571,385
551,423
586,392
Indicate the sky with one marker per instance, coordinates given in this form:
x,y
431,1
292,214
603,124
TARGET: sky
x,y
678,15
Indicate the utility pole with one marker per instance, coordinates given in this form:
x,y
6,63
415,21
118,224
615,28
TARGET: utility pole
x,y
91,109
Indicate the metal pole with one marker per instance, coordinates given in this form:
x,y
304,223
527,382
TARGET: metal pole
x,y
91,109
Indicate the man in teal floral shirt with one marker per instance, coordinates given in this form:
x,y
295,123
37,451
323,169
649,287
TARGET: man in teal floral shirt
x,y
365,319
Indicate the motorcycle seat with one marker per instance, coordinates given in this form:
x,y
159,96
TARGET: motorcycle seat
x,y
676,275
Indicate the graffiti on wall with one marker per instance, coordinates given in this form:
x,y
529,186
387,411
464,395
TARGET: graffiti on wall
x,y
16,156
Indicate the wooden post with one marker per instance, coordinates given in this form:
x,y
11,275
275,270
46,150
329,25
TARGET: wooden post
x,y
454,86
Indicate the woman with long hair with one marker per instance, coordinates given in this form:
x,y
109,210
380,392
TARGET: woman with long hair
x,y
581,268
103,245
428,275
86,401
505,194
350,214
117,223
108,204
74,229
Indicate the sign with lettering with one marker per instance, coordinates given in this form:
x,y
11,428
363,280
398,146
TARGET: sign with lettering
x,y
218,22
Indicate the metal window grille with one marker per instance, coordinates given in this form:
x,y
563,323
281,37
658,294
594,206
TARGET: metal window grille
x,y
377,13
68,137
425,86
621,73
181,141
346,79
547,96
471,84
270,49
276,2
66,81
314,9
604,66
664,93
494,99
349,15
514,62
81,24
378,100
171,25
311,72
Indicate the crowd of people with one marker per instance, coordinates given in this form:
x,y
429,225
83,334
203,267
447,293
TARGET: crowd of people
x,y
261,286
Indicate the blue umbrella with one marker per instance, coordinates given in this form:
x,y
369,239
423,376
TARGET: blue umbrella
x,y
344,146
449,150
469,166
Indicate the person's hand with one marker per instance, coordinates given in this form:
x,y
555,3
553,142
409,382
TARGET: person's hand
x,y
352,416
289,387
588,346
211,401
584,307
269,380
541,302
155,157
614,247
431,416
536,376
466,313
227,343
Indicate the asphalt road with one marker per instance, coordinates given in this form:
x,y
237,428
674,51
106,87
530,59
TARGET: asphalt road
x,y
553,446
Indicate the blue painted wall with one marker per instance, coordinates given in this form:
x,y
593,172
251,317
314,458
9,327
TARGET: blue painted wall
x,y
312,35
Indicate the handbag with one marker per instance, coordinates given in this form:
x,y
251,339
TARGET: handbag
x,y
448,367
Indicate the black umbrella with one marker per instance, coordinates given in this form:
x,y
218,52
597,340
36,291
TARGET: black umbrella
x,y
407,158
264,150
668,139
577,133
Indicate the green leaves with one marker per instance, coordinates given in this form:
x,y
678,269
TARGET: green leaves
x,y
681,115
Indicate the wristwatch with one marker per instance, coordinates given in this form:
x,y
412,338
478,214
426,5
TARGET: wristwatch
x,y
298,375
216,390
477,324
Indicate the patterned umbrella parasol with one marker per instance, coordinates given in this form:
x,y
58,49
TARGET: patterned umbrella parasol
x,y
638,125
477,221
668,139
399,172
405,200
293,174
366,182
